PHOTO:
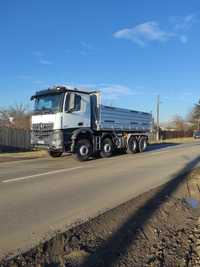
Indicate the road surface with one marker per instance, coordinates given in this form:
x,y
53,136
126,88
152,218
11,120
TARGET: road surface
x,y
41,196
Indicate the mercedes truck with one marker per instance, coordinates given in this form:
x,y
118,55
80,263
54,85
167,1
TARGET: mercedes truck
x,y
75,121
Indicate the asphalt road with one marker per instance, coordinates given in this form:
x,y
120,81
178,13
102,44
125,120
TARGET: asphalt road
x,y
40,196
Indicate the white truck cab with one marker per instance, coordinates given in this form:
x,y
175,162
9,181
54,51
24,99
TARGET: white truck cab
x,y
72,120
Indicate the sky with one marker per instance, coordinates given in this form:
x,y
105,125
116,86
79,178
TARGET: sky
x,y
130,50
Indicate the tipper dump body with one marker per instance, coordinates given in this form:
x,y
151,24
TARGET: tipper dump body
x,y
113,118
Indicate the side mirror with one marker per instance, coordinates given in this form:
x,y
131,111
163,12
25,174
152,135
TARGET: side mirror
x,y
71,103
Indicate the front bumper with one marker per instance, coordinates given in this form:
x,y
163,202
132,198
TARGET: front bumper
x,y
52,140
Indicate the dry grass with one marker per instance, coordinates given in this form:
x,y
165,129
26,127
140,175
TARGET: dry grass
x,y
29,154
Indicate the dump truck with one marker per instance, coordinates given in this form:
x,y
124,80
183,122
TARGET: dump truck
x,y
74,120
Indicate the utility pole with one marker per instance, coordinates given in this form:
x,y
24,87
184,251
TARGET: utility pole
x,y
158,119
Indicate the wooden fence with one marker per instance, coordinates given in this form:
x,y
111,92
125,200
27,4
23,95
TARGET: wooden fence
x,y
14,139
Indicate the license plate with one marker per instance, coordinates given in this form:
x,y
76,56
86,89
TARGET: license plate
x,y
41,142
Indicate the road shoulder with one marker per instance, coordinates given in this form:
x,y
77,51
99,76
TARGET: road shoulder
x,y
10,157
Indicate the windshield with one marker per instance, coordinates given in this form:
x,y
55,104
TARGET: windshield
x,y
48,103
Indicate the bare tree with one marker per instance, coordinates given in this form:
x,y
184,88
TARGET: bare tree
x,y
179,123
194,116
17,116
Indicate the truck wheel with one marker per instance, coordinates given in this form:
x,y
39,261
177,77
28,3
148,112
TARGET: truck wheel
x,y
55,154
107,148
132,146
142,144
83,150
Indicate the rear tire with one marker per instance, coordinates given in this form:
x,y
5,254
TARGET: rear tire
x,y
132,145
83,150
142,144
55,154
107,148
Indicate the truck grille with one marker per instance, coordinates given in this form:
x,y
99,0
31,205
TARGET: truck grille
x,y
42,129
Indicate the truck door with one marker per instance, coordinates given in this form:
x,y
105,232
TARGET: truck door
x,y
77,111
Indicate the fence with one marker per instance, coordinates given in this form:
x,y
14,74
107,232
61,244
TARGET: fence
x,y
175,134
164,134
14,139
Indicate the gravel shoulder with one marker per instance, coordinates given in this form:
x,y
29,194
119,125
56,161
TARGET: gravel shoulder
x,y
158,228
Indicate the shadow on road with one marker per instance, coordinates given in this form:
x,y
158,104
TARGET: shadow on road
x,y
108,254
153,147
150,148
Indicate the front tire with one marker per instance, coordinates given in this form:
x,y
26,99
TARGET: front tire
x,y
107,148
55,154
83,150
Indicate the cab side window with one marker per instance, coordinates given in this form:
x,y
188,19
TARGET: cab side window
x,y
67,99
77,104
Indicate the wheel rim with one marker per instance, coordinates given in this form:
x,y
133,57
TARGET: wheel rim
x,y
144,144
134,145
84,150
107,148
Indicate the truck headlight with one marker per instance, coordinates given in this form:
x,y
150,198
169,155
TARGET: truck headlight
x,y
57,139
33,139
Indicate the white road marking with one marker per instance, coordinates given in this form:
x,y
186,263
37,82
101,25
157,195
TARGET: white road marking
x,y
40,174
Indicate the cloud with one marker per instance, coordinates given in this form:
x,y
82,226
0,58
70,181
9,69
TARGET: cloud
x,y
112,91
184,23
151,31
45,62
183,39
187,94
116,91
38,53
24,77
86,48
143,33
41,58
83,53
38,82
86,45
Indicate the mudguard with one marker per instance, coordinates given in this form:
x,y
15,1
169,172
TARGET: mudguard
x,y
86,132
